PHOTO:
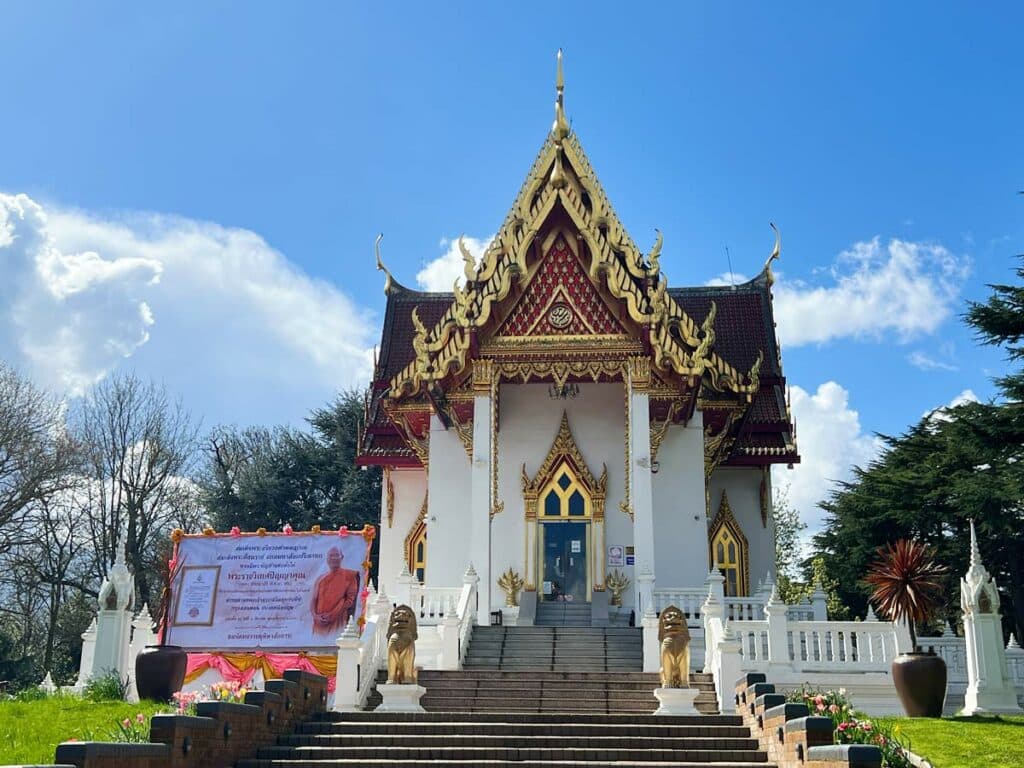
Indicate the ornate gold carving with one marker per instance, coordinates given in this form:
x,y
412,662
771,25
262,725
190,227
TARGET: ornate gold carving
x,y
558,370
468,262
659,431
389,496
483,375
511,584
402,637
639,372
564,448
674,637
419,445
617,583
626,505
497,505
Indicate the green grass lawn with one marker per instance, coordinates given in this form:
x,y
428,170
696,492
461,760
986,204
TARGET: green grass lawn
x,y
964,742
30,731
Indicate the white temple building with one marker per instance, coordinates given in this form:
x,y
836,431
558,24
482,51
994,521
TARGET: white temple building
x,y
566,414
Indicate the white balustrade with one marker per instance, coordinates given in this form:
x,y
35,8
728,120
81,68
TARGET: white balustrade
x,y
431,603
855,646
953,651
688,600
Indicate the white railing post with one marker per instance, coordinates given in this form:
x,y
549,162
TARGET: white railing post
x,y
819,603
778,637
450,637
728,667
652,647
645,583
346,686
712,613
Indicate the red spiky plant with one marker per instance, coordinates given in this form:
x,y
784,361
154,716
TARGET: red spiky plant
x,y
907,583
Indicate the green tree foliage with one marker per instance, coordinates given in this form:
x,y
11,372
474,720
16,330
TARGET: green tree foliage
x,y
928,483
265,478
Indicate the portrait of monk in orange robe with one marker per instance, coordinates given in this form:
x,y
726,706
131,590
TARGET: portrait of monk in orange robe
x,y
334,596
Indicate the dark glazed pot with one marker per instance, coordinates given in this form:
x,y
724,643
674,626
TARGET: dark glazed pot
x,y
920,680
160,671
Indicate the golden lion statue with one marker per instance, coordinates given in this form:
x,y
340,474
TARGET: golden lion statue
x,y
674,637
402,638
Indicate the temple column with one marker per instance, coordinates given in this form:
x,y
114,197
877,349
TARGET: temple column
x,y
481,502
641,494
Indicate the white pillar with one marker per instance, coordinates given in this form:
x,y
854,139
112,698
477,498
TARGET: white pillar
x,y
480,499
712,613
405,585
990,688
819,603
346,688
642,497
88,653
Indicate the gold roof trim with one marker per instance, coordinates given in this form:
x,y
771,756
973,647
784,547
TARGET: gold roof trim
x,y
679,343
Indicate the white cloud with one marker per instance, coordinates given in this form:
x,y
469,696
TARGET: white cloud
x,y
919,359
940,413
441,273
216,313
901,291
830,442
68,317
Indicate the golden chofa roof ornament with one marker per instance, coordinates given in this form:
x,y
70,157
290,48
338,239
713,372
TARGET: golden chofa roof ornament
x,y
388,280
776,253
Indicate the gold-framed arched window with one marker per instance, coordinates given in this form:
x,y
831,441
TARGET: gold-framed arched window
x,y
728,550
565,496
417,552
416,544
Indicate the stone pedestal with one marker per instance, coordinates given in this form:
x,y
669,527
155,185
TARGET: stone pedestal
x,y
676,701
401,698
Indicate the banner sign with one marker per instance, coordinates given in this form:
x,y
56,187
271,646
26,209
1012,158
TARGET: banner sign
x,y
248,591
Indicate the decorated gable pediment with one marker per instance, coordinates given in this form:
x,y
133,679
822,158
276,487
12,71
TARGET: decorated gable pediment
x,y
560,300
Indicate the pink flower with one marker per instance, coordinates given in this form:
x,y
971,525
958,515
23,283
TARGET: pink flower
x,y
236,531
288,530
820,706
343,531
140,718
126,722
833,709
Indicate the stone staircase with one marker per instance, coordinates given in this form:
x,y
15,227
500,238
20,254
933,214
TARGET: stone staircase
x,y
562,614
556,648
375,740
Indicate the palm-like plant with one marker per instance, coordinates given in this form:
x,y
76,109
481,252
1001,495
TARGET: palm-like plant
x,y
907,583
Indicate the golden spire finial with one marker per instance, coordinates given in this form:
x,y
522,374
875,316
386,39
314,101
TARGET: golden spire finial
x,y
560,128
388,280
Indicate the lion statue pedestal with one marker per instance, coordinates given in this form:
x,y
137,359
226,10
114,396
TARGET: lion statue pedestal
x,y
675,695
401,693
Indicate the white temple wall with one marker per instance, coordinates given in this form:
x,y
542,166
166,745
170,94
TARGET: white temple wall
x,y
448,515
409,486
530,420
680,541
743,487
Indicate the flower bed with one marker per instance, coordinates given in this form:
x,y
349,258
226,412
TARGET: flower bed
x,y
852,727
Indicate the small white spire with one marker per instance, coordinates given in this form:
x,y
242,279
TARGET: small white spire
x,y
948,630
871,614
975,553
351,630
1012,644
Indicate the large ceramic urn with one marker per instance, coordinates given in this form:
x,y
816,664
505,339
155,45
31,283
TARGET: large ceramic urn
x,y
160,671
920,680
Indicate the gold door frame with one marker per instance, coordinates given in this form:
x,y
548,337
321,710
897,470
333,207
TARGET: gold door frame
x,y
564,451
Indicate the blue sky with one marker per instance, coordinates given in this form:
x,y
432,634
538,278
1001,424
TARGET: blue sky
x,y
201,183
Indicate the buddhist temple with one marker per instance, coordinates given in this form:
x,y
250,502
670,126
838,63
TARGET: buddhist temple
x,y
566,414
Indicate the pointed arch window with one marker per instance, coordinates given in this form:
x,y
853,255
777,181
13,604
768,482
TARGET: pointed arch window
x,y
416,545
728,550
